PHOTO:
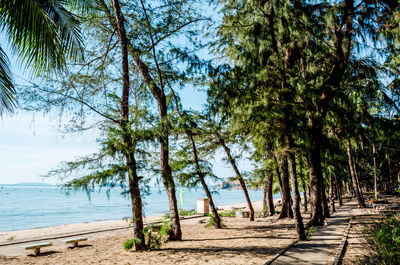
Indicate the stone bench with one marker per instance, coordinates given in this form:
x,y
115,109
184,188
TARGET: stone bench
x,y
242,214
36,247
74,241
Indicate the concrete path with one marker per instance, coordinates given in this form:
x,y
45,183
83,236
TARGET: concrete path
x,y
324,241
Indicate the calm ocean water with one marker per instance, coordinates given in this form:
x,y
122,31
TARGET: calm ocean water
x,y
25,207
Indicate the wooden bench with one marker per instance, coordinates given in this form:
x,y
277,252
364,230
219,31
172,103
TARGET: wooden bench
x,y
74,241
36,247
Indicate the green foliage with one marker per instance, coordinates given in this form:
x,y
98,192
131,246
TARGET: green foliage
x,y
228,213
154,235
225,213
385,241
44,35
211,223
309,232
128,244
183,212
165,229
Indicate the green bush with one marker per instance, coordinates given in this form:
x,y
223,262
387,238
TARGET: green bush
x,y
385,241
128,244
227,213
165,229
211,223
154,235
309,232
183,212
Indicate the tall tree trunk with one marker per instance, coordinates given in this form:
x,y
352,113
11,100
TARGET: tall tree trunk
x,y
331,193
301,235
136,203
286,210
157,90
303,184
390,179
133,180
166,172
134,189
238,175
375,174
217,219
347,186
265,196
398,180
357,178
278,174
338,192
360,200
159,95
314,157
268,196
325,207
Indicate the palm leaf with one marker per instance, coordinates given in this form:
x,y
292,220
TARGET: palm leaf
x,y
6,85
42,33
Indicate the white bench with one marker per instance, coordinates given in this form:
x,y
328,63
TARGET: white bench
x,y
242,214
74,241
36,247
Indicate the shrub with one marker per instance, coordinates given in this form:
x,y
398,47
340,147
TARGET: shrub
x,y
154,235
385,241
227,213
183,212
211,223
128,244
309,232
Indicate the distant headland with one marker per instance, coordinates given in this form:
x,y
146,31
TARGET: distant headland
x,y
28,184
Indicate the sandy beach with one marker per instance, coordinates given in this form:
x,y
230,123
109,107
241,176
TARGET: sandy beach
x,y
240,242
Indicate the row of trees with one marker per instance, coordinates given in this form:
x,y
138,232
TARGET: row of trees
x,y
304,88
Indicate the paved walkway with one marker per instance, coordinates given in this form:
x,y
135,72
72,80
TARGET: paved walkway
x,y
324,241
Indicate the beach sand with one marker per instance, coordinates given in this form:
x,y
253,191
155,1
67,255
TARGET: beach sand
x,y
55,231
240,242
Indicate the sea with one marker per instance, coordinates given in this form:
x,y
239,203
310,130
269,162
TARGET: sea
x,y
32,206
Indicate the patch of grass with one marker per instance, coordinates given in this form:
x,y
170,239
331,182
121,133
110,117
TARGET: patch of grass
x,y
309,231
211,223
260,215
129,243
385,241
11,238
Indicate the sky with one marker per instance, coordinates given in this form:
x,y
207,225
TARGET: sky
x,y
31,145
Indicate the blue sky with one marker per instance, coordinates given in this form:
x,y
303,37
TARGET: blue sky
x,y
31,145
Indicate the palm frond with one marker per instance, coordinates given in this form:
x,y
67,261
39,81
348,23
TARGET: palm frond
x,y
7,90
42,33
